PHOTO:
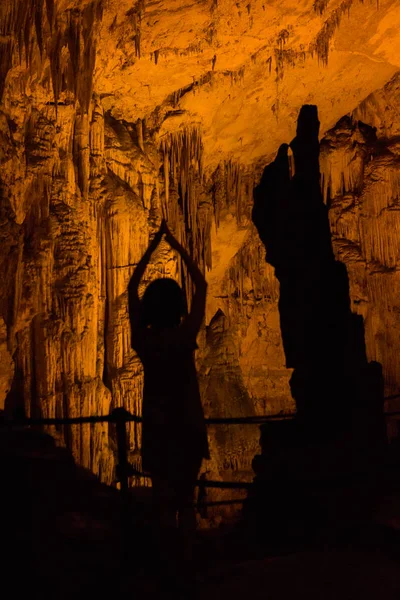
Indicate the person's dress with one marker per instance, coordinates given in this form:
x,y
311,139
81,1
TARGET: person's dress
x,y
174,440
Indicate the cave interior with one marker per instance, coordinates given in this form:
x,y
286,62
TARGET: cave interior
x,y
267,135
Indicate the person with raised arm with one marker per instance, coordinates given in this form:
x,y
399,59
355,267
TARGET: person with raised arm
x,y
174,440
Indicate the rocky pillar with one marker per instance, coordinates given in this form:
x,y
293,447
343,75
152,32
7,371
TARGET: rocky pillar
x,y
339,399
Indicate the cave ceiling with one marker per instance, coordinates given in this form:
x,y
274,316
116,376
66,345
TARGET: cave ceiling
x,y
243,69
240,69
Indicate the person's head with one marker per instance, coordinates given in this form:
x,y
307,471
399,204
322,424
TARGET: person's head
x,y
163,304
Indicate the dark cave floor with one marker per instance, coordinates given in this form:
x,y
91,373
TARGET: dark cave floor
x,y
62,535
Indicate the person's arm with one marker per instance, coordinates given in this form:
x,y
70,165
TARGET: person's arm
x,y
133,295
195,318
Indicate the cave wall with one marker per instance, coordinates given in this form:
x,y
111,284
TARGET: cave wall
x,y
361,181
114,114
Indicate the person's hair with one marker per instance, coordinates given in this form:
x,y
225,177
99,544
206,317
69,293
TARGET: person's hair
x,y
163,304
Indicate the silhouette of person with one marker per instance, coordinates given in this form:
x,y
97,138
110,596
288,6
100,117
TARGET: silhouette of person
x,y
174,440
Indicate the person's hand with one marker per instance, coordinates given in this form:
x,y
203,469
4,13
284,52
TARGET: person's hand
x,y
167,230
168,234
163,227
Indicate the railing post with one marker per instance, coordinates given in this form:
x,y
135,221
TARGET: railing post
x,y
120,417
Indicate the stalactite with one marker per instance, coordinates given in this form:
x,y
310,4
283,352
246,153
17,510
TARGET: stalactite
x,y
286,57
218,191
345,173
136,14
320,6
182,174
75,72
50,13
91,15
6,48
23,18
97,131
73,36
321,44
24,27
38,24
82,152
249,264
236,76
231,188
12,20
283,37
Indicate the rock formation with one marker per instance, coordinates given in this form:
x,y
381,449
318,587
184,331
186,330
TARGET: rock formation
x,y
360,168
338,433
332,382
114,114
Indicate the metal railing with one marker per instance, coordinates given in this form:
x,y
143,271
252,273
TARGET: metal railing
x,y
120,417
124,470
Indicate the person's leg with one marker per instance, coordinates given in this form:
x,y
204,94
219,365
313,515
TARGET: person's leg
x,y
185,487
187,526
166,533
164,503
187,516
